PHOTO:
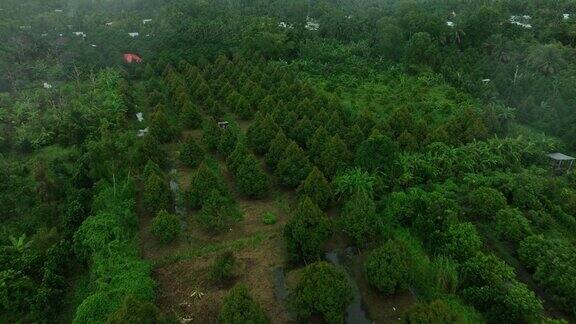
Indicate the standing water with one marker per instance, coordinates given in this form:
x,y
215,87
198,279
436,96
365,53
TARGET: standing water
x,y
355,313
281,291
178,197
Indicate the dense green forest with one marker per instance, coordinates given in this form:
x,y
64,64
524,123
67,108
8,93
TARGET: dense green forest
x,y
286,161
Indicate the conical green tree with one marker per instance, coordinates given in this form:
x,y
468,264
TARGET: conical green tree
x,y
302,131
218,212
157,195
150,149
317,143
235,159
335,157
191,154
211,133
359,219
306,232
243,108
151,169
203,181
261,133
239,307
323,289
377,153
294,166
160,127
190,116
228,139
277,149
354,137
250,179
317,188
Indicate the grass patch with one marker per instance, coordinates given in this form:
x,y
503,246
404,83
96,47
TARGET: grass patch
x,y
269,218
234,245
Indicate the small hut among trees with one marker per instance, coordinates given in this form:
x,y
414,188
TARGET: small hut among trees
x,y
561,162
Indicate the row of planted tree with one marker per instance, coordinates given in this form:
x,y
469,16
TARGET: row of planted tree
x,y
334,157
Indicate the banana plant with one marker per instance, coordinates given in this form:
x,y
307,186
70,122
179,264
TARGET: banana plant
x,y
19,244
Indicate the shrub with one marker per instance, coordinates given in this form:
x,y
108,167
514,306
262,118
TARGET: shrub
x,y
434,312
269,218
222,268
239,307
306,232
165,226
485,202
134,310
388,267
322,289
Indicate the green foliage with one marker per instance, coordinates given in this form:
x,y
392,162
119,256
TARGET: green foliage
x,y
157,195
261,133
229,137
108,240
360,220
353,181
322,289
165,226
160,127
334,158
250,179
222,269
377,153
462,241
218,212
553,264
434,312
191,154
511,225
317,143
190,116
388,267
239,307
277,148
151,168
306,232
203,181
16,291
317,188
134,310
293,167
269,218
485,202
211,133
